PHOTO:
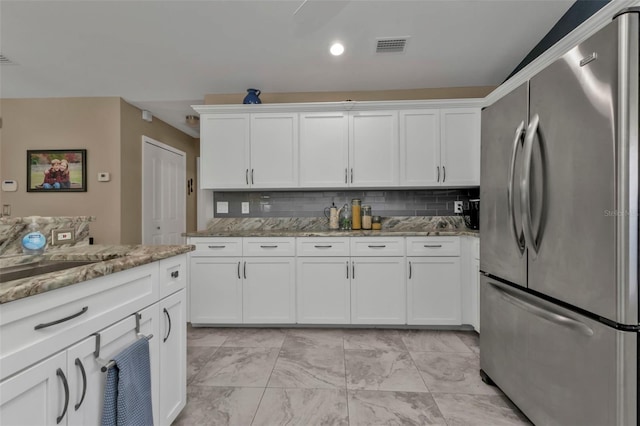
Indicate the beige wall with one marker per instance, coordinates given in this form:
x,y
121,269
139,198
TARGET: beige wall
x,y
111,131
378,95
133,128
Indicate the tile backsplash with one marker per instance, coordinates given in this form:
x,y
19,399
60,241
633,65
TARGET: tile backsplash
x,y
422,202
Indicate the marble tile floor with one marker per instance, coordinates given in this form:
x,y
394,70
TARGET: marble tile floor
x,y
316,376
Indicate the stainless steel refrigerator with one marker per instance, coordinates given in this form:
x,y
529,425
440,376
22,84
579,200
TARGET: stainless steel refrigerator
x,y
559,236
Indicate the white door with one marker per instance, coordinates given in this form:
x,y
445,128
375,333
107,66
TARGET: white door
x,y
323,290
460,146
173,356
420,148
216,290
224,151
36,395
324,150
374,149
378,290
274,151
164,204
269,290
433,291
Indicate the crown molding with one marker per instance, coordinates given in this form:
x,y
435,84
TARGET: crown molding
x,y
339,106
568,42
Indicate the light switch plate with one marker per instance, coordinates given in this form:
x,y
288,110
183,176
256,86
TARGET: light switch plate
x,y
222,207
245,207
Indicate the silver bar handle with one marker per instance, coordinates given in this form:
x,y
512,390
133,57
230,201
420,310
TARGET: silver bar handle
x,y
216,247
409,269
246,176
525,185
438,169
347,269
377,246
444,174
270,246
327,246
346,175
353,269
518,139
239,270
525,303
433,245
352,175
252,177
244,270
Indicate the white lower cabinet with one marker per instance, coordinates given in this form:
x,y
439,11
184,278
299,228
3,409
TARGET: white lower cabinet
x,y
378,290
434,285
67,388
323,290
268,290
216,290
173,358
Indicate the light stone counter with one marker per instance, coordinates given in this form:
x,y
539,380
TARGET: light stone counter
x,y
318,227
109,259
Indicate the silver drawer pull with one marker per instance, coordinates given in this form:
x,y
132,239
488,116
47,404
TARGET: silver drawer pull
x,y
215,247
380,246
329,246
61,320
274,246
433,245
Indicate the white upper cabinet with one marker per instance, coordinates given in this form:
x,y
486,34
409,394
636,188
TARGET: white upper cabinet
x,y
374,149
420,147
440,147
460,146
341,145
274,150
324,149
224,151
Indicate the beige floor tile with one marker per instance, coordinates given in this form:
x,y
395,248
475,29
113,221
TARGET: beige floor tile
x,y
314,338
382,370
197,357
472,410
369,408
238,367
304,367
371,339
206,336
433,341
303,407
255,338
219,406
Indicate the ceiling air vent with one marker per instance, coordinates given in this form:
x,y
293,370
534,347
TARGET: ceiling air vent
x,y
391,45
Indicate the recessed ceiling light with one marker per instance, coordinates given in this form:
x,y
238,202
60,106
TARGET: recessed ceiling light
x,y
336,49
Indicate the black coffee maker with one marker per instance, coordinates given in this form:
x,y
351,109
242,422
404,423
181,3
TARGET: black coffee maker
x,y
472,214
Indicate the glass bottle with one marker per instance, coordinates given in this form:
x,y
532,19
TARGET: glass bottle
x,y
366,217
376,223
356,219
344,217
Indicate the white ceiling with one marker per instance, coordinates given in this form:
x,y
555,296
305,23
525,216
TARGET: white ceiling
x,y
166,55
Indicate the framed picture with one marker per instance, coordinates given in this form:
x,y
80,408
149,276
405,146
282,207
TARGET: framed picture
x,y
57,170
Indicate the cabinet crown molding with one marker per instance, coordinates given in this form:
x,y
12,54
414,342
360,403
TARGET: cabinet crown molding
x,y
339,106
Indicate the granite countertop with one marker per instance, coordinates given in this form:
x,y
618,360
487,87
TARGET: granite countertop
x,y
109,259
397,226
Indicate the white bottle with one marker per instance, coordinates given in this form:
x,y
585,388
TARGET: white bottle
x,y
33,242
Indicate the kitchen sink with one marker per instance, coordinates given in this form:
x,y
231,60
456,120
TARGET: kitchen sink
x,y
32,269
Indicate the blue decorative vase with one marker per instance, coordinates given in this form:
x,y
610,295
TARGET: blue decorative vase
x,y
252,97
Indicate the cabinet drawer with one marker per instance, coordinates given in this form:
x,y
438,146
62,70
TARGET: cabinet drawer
x,y
46,323
173,275
217,247
378,246
433,246
285,246
322,246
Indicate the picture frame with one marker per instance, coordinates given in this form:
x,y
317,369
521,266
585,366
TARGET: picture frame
x,y
57,170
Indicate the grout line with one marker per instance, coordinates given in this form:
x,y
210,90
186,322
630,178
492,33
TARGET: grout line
x,y
258,406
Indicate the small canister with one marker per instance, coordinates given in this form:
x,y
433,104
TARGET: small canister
x,y
366,217
376,223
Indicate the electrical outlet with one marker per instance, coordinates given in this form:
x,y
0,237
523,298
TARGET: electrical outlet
x,y
245,207
63,236
222,207
457,206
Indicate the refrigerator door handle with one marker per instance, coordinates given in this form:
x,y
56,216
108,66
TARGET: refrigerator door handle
x,y
517,140
525,184
530,306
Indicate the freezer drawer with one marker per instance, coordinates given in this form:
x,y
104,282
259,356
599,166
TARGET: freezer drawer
x,y
558,367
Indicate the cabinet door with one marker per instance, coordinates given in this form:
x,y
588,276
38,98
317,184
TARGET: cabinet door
x,y
268,291
274,151
323,290
173,356
420,148
224,151
36,395
433,291
378,293
86,380
374,149
216,290
460,146
324,150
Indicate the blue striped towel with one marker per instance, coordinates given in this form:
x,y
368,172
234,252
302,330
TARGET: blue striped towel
x,y
127,391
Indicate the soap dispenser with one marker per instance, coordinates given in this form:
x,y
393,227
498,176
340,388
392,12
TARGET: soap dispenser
x,y
33,242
